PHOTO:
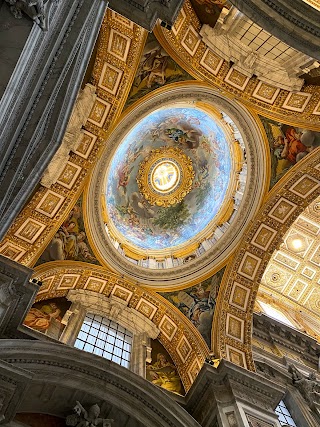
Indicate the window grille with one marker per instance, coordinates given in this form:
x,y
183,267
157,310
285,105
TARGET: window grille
x,y
105,338
284,416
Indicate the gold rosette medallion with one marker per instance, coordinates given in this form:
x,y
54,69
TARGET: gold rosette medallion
x,y
165,176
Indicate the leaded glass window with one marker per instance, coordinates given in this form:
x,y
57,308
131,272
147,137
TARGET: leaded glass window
x,y
284,416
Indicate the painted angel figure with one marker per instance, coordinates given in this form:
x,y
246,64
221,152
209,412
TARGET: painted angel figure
x,y
90,418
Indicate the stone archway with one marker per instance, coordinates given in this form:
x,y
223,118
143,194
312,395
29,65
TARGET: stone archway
x,y
48,378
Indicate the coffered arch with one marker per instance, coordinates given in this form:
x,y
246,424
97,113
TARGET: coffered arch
x,y
233,316
180,338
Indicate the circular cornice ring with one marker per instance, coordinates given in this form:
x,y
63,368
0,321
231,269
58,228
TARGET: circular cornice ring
x,y
194,94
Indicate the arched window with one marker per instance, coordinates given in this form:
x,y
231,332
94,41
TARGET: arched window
x,y
285,418
105,338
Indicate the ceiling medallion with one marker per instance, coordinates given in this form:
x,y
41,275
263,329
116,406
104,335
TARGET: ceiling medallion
x,y
165,176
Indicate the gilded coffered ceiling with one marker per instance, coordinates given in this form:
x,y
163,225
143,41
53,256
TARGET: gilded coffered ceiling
x,y
196,49
179,336
291,281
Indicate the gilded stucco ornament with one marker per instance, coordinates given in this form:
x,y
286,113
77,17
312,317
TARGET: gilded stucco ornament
x,y
165,176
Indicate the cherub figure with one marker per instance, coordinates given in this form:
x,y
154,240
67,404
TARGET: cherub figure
x,y
90,418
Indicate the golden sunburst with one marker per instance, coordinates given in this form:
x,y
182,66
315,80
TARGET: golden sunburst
x,y
165,176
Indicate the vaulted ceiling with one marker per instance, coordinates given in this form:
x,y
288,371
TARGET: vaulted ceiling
x,y
259,244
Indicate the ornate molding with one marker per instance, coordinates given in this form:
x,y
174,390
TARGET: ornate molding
x,y
73,136
184,176
38,100
147,12
230,385
116,309
181,339
238,289
187,47
296,24
97,377
274,337
194,93
113,73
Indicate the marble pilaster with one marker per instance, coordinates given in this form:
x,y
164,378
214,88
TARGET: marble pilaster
x,y
233,397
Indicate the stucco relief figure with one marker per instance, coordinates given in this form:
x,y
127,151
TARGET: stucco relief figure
x,y
309,387
33,8
90,418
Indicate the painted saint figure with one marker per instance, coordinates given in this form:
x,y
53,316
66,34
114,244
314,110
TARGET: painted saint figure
x,y
164,374
41,319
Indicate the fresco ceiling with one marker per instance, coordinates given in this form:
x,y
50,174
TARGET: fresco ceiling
x,y
168,178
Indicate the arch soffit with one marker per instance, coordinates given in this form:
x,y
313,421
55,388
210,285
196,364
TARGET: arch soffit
x,y
180,338
238,289
185,45
113,72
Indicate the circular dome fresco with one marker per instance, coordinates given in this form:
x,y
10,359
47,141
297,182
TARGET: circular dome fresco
x,y
168,179
180,178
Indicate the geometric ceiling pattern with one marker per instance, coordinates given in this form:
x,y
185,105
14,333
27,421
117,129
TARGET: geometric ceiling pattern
x,y
238,290
293,272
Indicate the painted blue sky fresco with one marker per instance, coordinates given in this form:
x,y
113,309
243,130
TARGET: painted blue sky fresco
x,y
203,140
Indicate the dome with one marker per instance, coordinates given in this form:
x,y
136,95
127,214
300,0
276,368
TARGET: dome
x,y
168,179
186,169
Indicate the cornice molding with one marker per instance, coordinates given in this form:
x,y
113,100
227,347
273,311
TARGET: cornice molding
x,y
95,376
